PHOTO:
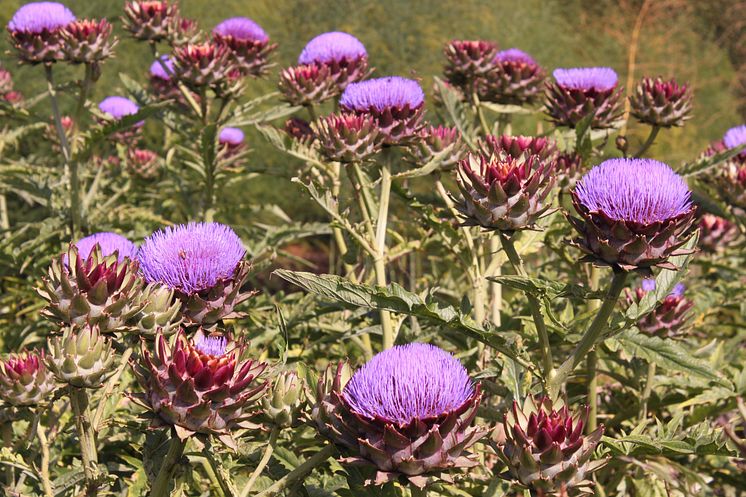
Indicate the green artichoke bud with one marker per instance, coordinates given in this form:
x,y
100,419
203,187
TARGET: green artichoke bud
x,y
82,359
158,310
25,380
284,401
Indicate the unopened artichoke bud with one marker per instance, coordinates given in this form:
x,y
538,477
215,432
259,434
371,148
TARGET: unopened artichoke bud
x,y
516,79
670,318
284,400
347,137
149,20
504,193
182,31
341,53
546,450
580,91
203,65
81,358
569,169
158,311
307,84
440,141
716,234
86,287
143,164
247,43
467,61
88,41
407,413
36,31
25,379
661,103
629,223
200,385
516,146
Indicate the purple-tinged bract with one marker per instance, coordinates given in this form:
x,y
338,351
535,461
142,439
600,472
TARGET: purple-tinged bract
x,y
88,41
334,46
670,317
109,244
443,142
636,213
578,92
150,20
247,42
515,80
307,84
36,31
347,137
25,380
661,103
716,234
467,61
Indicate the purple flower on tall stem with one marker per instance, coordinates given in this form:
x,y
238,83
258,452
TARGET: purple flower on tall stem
x,y
35,31
636,213
118,107
577,92
231,136
343,54
163,68
248,43
109,243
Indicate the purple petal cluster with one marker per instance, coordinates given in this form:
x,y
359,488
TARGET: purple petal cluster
x,y
191,257
109,243
649,285
231,136
640,190
514,55
381,94
37,17
334,46
586,78
241,28
211,345
157,70
735,137
409,382
118,107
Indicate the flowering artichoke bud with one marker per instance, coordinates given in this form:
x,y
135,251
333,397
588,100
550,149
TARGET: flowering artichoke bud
x,y
115,108
347,137
628,223
406,413
516,146
516,79
200,385
341,53
25,380
467,61
231,142
502,192
581,91
661,103
716,233
91,288
36,31
568,170
284,401
157,311
670,318
87,41
203,264
203,65
397,104
82,359
438,140
149,20
307,84
247,44
545,449
736,137
143,164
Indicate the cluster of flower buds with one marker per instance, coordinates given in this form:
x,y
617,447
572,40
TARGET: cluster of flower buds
x,y
670,317
582,91
407,413
81,358
716,234
246,43
150,20
284,400
441,142
516,79
36,31
25,379
143,164
629,223
661,103
546,449
347,137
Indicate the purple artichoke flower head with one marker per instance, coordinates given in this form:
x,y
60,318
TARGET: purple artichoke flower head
x,y
586,78
211,345
648,284
191,258
735,137
38,17
514,55
678,290
381,94
407,383
118,107
109,243
231,136
334,46
241,28
641,191
157,69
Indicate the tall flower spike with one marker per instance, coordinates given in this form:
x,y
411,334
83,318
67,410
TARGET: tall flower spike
x,y
516,79
580,91
247,42
25,380
406,413
396,103
149,20
200,385
661,103
628,223
35,31
341,53
88,41
670,318
203,264
467,61
545,448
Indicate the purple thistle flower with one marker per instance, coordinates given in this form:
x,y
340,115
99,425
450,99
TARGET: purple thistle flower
x,y
109,243
409,382
118,107
381,94
241,28
157,70
231,136
643,191
334,46
211,345
514,55
735,137
37,17
648,285
191,258
586,78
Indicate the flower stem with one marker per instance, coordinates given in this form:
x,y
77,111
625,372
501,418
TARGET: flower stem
x,y
162,482
651,138
299,473
46,483
380,245
113,382
480,115
221,473
266,456
647,391
495,288
592,361
79,402
7,433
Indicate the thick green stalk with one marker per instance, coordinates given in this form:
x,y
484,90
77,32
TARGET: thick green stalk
x,y
220,473
162,482
649,142
79,402
46,483
592,362
380,245
266,456
298,473
495,288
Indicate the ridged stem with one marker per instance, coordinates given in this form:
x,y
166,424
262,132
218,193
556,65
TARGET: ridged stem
x,y
298,473
380,245
162,482
79,402
46,483
266,456
220,473
649,142
495,288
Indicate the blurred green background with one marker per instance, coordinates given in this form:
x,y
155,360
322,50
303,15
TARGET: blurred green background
x,y
695,41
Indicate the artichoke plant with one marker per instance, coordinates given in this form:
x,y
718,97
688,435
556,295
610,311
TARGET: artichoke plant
x,y
158,310
341,53
670,318
307,84
284,400
81,358
661,103
467,61
25,379
36,31
716,233
438,141
578,92
247,43
88,41
347,137
516,79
